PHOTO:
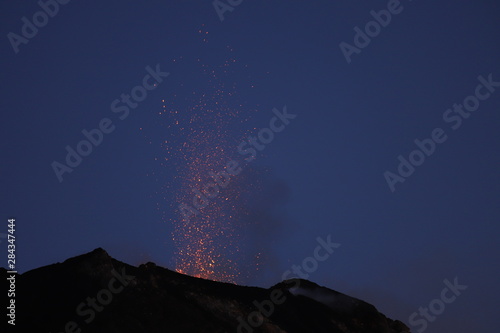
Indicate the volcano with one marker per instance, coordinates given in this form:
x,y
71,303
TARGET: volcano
x,y
95,293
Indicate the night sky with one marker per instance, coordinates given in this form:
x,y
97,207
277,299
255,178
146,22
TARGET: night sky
x,y
428,76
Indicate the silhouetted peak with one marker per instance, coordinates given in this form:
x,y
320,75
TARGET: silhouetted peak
x,y
99,251
98,254
150,298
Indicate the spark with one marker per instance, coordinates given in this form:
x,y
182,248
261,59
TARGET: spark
x,y
200,140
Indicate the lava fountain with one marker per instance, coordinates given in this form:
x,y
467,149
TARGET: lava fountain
x,y
200,140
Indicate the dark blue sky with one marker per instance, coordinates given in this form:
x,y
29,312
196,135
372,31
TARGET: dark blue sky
x,y
325,171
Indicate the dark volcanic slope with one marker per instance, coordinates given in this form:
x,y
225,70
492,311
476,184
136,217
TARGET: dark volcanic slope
x,y
96,293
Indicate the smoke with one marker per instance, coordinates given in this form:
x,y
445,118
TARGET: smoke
x,y
263,221
336,301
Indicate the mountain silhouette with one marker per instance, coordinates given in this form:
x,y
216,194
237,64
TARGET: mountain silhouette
x,y
96,293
